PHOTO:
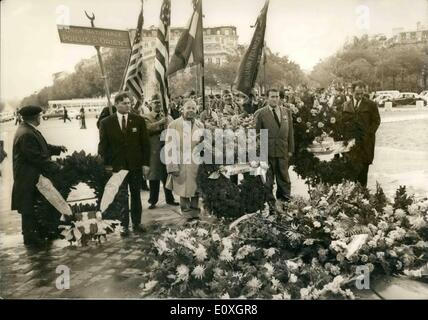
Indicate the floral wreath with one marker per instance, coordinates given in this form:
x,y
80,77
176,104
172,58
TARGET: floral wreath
x,y
316,130
72,170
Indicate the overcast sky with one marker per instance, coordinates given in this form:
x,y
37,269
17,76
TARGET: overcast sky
x,y
305,30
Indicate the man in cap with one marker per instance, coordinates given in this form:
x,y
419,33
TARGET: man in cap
x,y
156,122
31,157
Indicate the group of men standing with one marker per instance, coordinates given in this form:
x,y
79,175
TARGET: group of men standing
x,y
131,140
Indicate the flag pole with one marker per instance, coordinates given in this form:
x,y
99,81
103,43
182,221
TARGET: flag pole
x,y
203,60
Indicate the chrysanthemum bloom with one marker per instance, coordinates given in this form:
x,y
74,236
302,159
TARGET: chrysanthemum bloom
x,y
317,224
269,252
201,232
293,278
199,272
226,255
254,284
299,120
320,125
269,269
182,273
333,120
275,283
200,253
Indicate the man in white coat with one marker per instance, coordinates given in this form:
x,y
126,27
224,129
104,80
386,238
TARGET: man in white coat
x,y
183,173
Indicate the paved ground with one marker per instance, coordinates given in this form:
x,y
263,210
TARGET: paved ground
x,y
115,266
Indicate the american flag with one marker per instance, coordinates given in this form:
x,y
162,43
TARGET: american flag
x,y
134,73
162,52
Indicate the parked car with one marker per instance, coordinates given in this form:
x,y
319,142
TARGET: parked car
x,y
406,98
424,96
381,99
59,114
6,116
393,93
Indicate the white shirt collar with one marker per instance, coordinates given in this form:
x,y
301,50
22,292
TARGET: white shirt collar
x,y
119,118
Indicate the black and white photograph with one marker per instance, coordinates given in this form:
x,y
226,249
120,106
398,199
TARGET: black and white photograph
x,y
214,150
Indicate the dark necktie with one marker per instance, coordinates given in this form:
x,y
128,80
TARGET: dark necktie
x,y
276,117
123,125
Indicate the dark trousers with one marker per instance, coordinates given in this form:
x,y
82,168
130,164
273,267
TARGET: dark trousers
x,y
278,170
154,192
67,118
133,180
234,179
362,173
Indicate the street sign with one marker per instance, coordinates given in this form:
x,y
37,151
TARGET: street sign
x,y
94,36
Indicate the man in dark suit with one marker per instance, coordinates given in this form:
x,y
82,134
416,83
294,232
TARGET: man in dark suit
x,y
361,119
31,157
124,145
279,123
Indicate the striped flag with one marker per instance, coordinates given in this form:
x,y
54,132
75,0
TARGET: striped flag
x,y
162,53
189,49
134,73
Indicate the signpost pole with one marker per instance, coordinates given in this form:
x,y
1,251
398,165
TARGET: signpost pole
x,y
100,60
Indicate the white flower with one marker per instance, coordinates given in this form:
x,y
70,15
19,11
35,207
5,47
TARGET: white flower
x,y
308,242
332,120
291,265
277,296
299,120
417,222
383,225
275,283
317,224
269,269
254,284
293,278
199,272
182,273
200,253
215,237
400,214
218,272
413,209
320,125
150,285
364,258
226,255
227,243
305,293
269,252
201,232
225,296
286,295
161,246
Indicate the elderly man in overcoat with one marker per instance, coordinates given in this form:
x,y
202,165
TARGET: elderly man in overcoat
x,y
183,172
31,158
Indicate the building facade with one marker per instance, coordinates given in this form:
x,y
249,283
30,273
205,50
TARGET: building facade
x,y
219,43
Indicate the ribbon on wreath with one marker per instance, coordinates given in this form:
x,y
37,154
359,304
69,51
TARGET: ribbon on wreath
x,y
255,168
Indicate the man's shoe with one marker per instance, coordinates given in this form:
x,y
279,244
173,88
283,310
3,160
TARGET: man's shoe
x,y
139,229
173,203
152,206
124,233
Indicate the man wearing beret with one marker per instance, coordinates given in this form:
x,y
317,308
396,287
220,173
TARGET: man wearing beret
x,y
31,157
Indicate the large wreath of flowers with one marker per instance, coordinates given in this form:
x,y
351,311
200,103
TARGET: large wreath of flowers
x,y
221,197
318,125
72,170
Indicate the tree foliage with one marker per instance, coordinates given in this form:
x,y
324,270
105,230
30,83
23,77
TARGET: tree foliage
x,y
380,66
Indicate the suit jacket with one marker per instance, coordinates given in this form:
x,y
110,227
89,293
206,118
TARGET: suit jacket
x,y
104,114
157,168
281,138
366,120
31,157
124,151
